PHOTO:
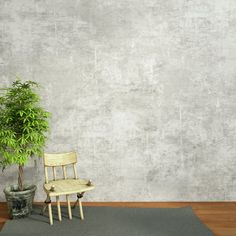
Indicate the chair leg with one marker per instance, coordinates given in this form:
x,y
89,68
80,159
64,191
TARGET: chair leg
x,y
50,213
75,204
47,203
58,208
79,196
69,208
43,209
81,210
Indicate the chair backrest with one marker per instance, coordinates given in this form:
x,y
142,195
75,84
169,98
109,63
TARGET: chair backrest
x,y
54,160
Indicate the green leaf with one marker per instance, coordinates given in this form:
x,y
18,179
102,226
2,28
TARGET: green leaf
x,y
23,123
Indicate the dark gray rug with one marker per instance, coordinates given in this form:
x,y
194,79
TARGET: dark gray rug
x,y
108,221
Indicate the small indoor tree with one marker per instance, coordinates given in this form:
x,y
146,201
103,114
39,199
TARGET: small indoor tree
x,y
23,126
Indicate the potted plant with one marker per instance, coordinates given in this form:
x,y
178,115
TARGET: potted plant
x,y
23,128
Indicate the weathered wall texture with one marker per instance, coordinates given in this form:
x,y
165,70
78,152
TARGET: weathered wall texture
x,y
144,90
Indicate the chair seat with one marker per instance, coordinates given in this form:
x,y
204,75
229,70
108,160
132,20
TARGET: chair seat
x,y
67,186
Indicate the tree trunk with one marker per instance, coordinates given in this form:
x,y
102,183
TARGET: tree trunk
x,y
20,178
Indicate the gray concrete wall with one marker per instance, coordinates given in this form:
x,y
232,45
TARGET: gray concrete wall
x,y
144,90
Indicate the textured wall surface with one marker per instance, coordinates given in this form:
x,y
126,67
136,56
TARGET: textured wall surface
x,y
144,90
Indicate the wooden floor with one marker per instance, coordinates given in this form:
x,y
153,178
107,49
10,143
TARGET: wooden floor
x,y
220,217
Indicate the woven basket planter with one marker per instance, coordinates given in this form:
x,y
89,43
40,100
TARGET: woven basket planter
x,y
19,202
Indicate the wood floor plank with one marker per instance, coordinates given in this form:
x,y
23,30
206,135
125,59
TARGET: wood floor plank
x,y
220,217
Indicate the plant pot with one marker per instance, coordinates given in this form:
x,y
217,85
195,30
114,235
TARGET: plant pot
x,y
19,202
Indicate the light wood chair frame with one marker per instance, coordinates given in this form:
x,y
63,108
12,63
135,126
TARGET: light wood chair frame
x,y
62,160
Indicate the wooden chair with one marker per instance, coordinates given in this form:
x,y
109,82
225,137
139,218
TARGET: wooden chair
x,y
65,186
